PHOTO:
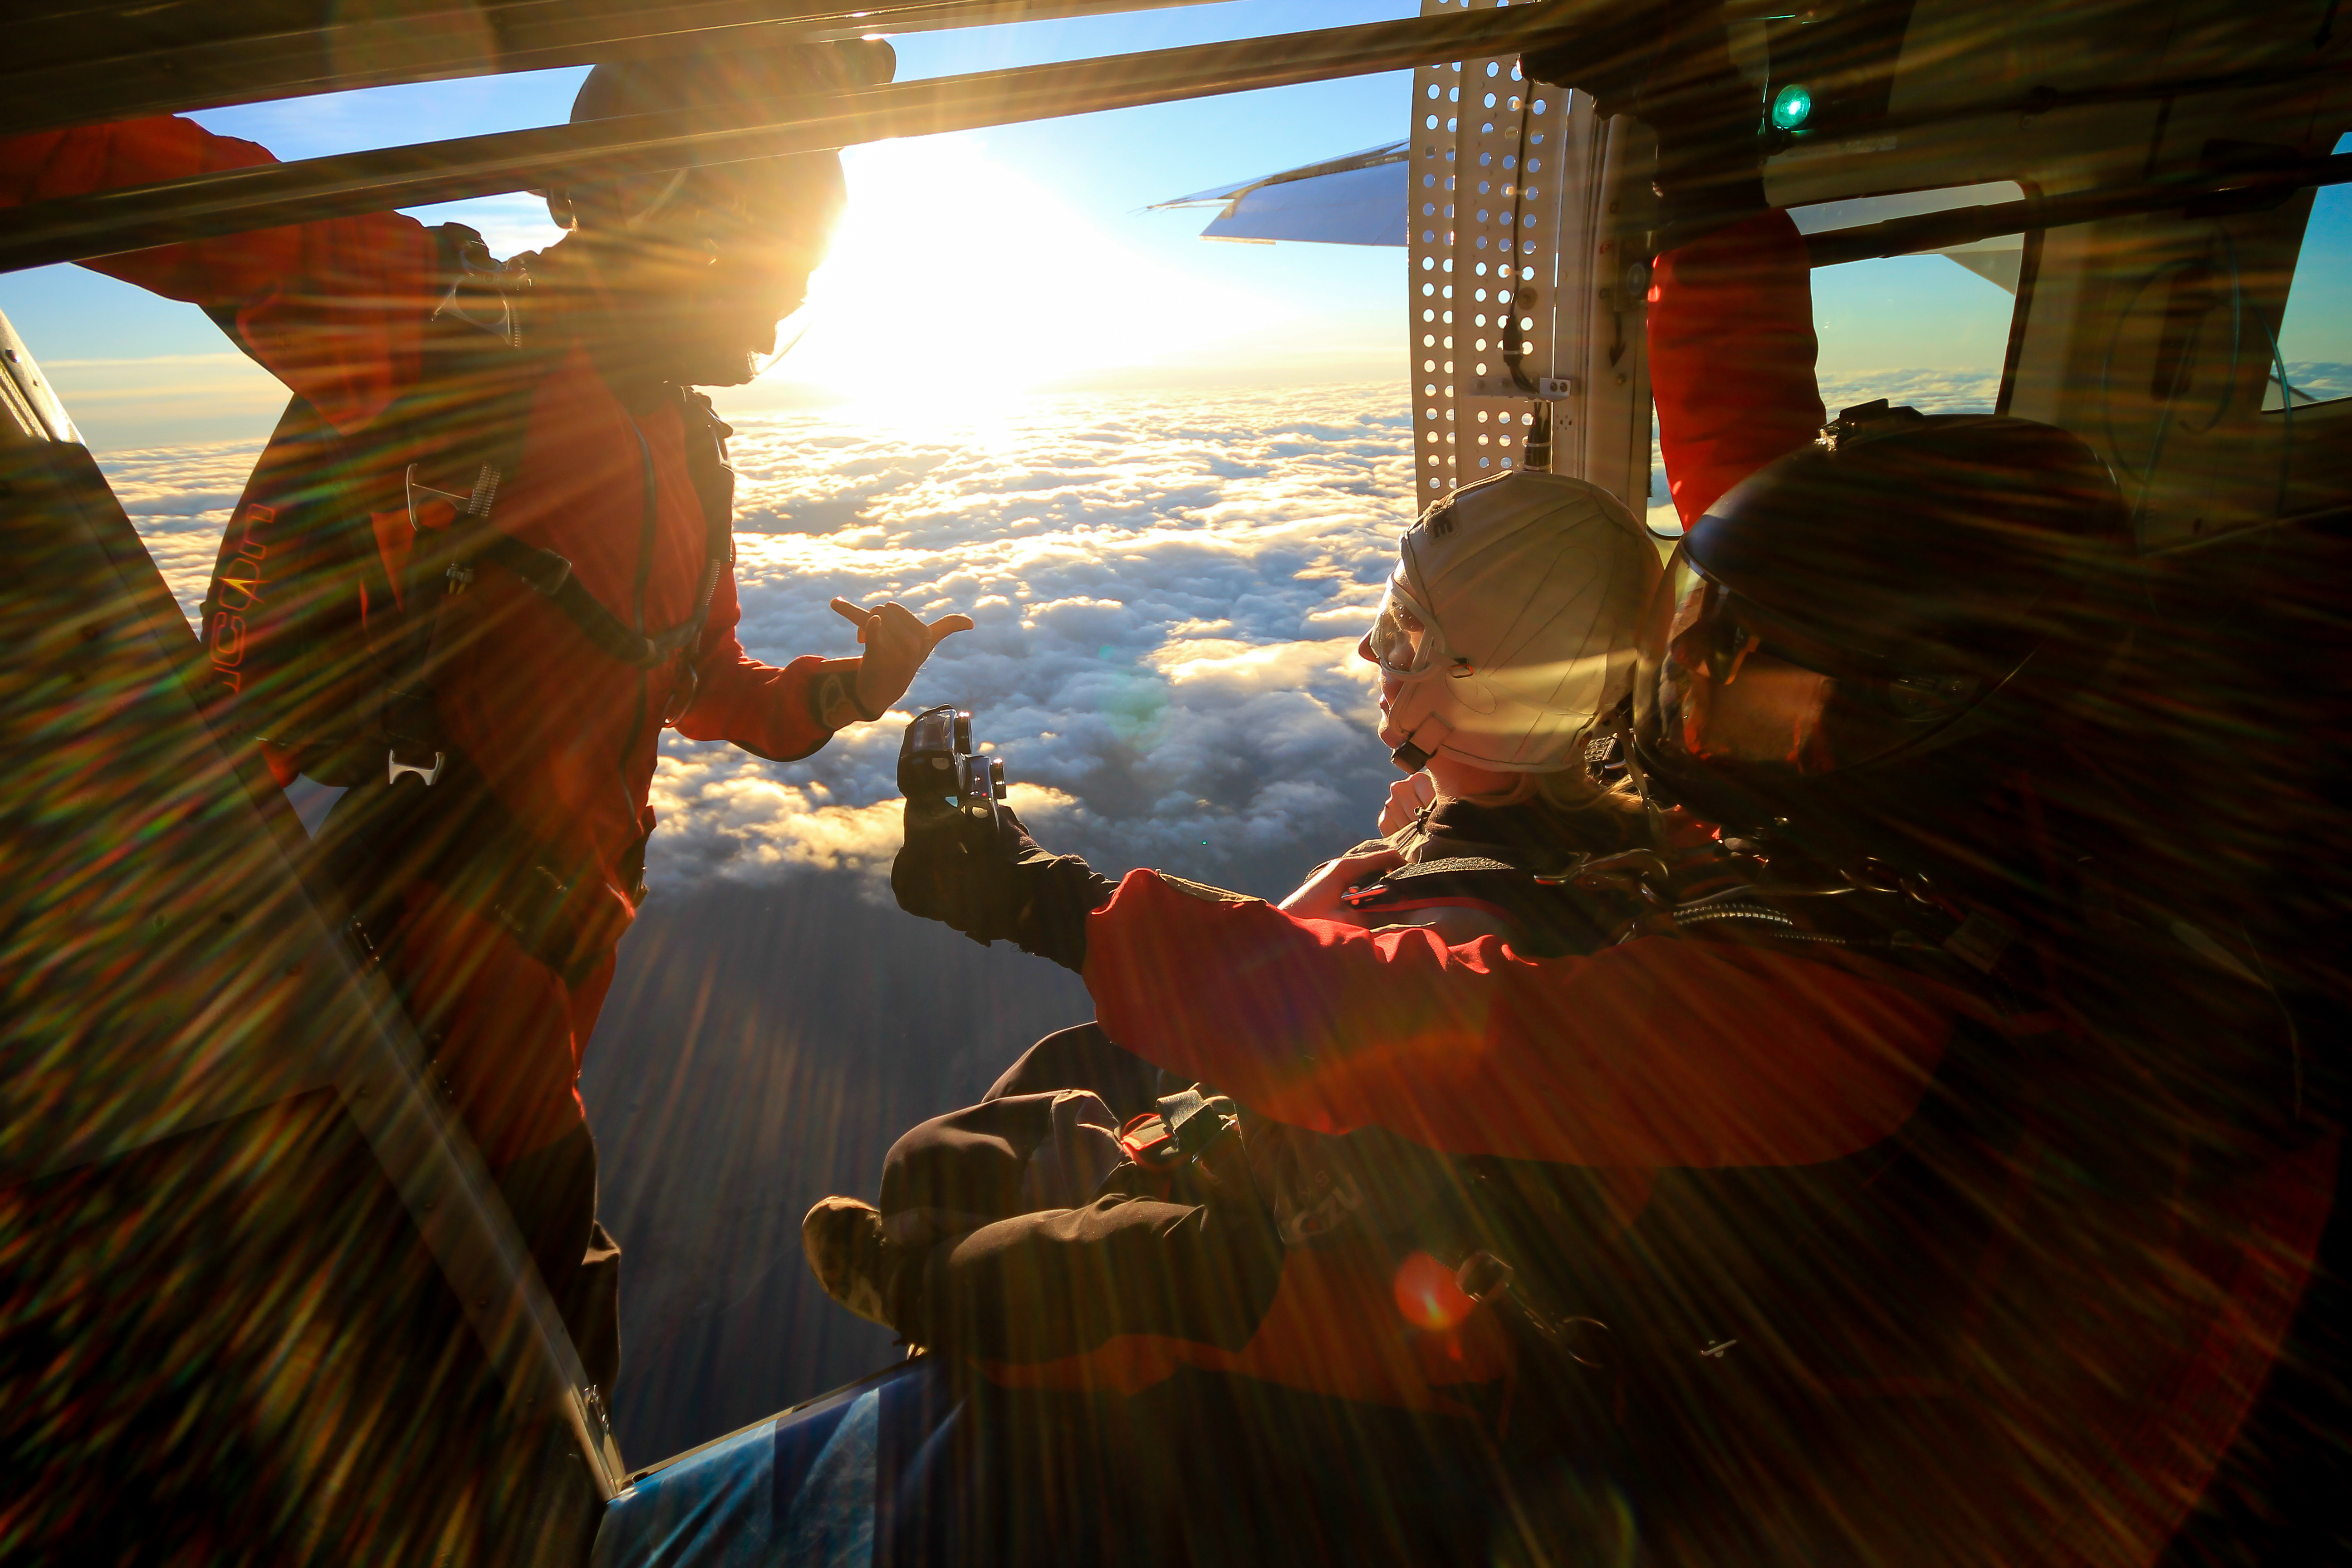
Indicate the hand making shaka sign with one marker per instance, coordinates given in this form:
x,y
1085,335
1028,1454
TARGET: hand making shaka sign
x,y
896,641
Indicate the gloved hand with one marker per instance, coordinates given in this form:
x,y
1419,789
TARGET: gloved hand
x,y
896,642
995,886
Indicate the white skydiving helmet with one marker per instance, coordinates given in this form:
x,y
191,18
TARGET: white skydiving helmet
x,y
1511,621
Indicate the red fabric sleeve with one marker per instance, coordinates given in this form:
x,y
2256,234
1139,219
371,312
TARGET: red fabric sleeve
x,y
334,309
762,708
1731,356
1659,1052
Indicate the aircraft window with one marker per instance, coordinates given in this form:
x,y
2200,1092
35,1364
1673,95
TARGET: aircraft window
x,y
2315,333
1664,520
1929,331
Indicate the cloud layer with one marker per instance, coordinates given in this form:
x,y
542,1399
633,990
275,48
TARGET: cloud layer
x,y
1169,591
179,498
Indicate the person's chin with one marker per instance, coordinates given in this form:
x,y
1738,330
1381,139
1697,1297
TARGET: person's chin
x,y
718,367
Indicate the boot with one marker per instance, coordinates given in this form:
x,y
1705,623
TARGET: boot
x,y
849,1255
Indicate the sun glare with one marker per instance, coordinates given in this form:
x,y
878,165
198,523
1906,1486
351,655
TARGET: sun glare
x,y
954,275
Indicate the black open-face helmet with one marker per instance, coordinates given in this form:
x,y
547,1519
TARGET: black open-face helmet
x,y
769,197
1906,582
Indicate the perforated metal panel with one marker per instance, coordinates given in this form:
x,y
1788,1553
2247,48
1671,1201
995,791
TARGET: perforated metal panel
x,y
1527,209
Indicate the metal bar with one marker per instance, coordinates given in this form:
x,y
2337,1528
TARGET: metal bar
x,y
941,15
29,405
84,65
1962,226
2041,100
110,221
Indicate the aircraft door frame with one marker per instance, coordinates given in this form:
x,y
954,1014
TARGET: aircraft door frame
x,y
1568,193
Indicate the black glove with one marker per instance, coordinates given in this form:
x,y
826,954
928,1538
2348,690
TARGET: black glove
x,y
1002,884
1679,78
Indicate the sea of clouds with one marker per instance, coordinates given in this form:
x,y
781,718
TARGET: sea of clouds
x,y
1169,590
1168,593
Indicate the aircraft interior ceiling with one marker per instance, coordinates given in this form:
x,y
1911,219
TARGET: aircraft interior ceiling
x,y
72,63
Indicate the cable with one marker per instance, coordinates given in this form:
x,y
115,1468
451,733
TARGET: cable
x,y
1514,350
2107,366
2183,371
2185,374
2286,388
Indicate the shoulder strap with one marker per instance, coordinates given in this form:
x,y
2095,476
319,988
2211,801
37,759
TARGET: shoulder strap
x,y
550,573
484,457
1554,914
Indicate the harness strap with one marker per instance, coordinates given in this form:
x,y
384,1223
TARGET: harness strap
x,y
383,838
410,724
550,575
464,839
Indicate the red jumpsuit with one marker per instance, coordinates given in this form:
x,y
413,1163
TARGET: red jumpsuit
x,y
564,735
1667,1059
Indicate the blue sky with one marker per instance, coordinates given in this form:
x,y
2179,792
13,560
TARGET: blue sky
x,y
1110,164
1012,258
2318,320
1098,170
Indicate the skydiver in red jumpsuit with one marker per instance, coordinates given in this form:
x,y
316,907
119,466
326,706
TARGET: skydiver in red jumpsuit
x,y
1945,1221
666,282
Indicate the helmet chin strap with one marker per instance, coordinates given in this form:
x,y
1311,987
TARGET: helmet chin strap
x,y
1418,747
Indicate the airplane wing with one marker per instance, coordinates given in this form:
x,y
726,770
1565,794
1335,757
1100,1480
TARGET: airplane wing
x,y
1359,199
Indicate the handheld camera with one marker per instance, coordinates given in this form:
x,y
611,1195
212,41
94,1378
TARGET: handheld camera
x,y
936,762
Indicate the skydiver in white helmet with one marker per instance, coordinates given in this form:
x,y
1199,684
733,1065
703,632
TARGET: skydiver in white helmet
x,y
1506,633
1506,642
1506,647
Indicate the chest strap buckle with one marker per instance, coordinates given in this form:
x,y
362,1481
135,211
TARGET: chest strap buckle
x,y
394,767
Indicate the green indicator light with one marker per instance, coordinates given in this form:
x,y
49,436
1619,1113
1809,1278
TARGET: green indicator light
x,y
1791,106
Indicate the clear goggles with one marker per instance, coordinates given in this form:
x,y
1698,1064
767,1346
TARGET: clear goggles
x,y
1723,683
1404,640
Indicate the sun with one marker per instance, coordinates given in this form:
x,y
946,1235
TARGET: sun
x,y
957,278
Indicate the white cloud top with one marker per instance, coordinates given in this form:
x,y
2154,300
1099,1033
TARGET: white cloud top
x,y
1168,594
1169,591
